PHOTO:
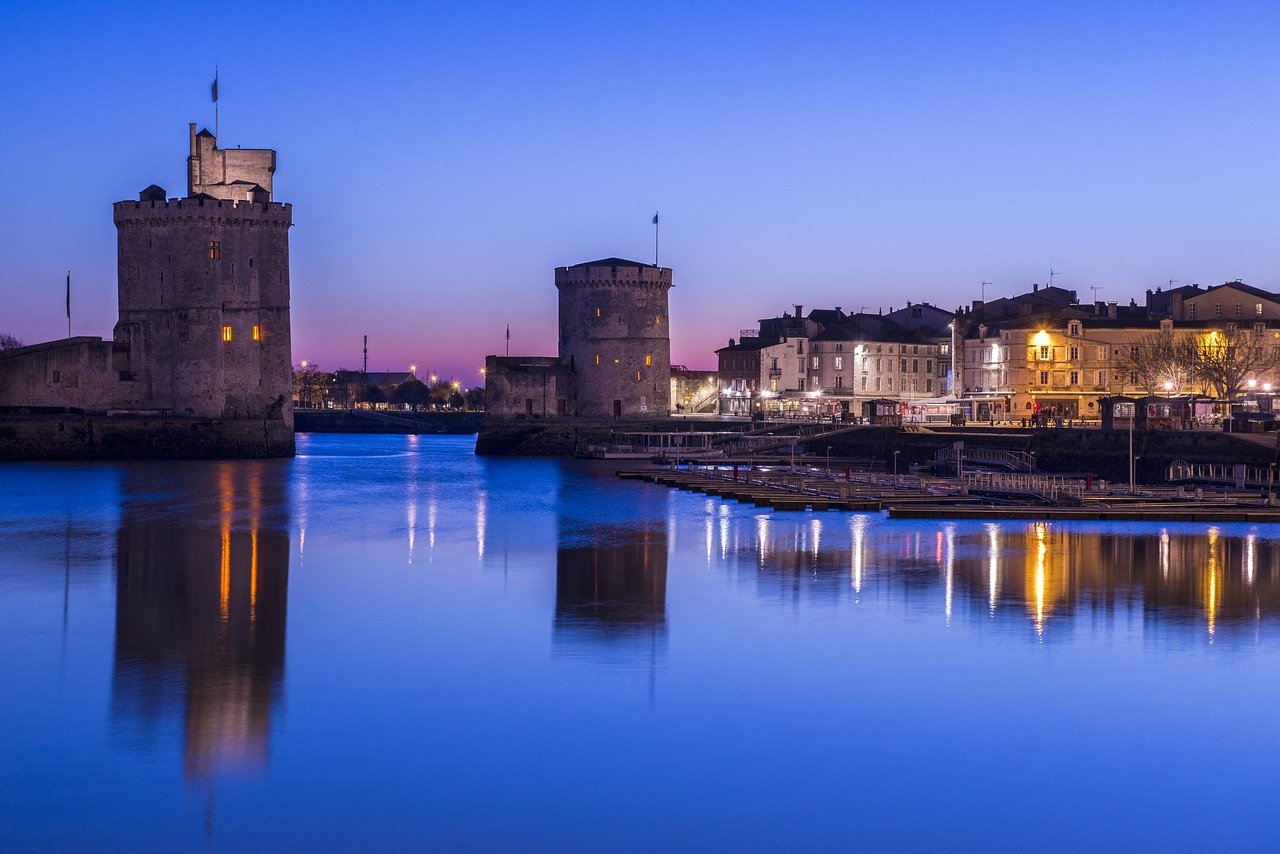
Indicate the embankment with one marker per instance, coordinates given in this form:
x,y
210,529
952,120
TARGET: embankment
x,y
360,421
127,437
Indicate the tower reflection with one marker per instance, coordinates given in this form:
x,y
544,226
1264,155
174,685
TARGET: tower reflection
x,y
201,594
611,585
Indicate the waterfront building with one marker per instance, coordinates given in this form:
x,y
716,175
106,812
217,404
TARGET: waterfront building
x,y
615,349
1062,361
828,363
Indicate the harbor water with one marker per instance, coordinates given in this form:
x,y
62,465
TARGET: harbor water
x,y
388,642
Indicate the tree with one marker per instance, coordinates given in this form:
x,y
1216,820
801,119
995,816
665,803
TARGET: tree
x,y
373,394
310,385
1226,359
412,391
473,398
1156,363
9,341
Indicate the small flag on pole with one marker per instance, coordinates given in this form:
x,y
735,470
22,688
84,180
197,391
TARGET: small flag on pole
x,y
655,218
508,331
214,89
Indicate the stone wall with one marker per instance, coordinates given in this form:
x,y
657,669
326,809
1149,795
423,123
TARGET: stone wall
x,y
90,437
75,373
528,386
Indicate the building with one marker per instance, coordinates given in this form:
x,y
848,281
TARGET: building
x,y
828,362
1063,361
204,328
615,348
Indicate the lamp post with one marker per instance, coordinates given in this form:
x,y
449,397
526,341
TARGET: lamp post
x,y
895,467
1133,416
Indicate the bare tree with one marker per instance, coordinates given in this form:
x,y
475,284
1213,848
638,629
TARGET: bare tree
x,y
1156,363
1226,359
309,385
9,341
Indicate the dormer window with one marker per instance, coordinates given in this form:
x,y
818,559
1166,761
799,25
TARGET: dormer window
x,y
1073,328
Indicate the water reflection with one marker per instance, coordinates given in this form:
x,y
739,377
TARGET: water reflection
x,y
611,585
1202,579
201,590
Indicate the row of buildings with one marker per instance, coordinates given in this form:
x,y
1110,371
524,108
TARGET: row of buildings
x,y
1038,354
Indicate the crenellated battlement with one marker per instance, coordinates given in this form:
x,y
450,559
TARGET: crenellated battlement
x,y
134,212
614,271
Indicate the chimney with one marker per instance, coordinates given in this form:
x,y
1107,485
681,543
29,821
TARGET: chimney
x,y
838,311
799,310
1111,310
1035,287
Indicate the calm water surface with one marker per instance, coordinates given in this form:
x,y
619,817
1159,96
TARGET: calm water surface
x,y
390,642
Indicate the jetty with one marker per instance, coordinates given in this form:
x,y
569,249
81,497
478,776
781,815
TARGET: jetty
x,y
974,495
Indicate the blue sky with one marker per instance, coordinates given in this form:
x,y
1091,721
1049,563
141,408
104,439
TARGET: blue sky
x,y
442,159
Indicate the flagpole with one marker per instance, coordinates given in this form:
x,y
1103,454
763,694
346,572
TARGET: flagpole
x,y
215,102
68,304
655,239
508,339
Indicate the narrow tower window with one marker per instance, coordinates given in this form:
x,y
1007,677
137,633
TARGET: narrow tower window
x,y
637,376
597,358
226,333
257,332
597,312
648,361
215,250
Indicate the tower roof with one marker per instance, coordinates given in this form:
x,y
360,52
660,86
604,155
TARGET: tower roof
x,y
608,262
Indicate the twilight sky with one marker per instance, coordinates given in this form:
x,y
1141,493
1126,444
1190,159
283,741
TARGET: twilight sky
x,y
443,158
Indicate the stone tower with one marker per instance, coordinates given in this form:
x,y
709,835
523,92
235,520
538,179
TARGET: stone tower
x,y
614,337
204,291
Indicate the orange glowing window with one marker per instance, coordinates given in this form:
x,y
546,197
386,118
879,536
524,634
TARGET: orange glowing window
x,y
257,332
597,312
226,333
648,361
215,250
657,320
637,376
597,358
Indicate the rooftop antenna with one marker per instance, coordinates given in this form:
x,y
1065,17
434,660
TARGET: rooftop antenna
x,y
1052,273
1172,282
1095,289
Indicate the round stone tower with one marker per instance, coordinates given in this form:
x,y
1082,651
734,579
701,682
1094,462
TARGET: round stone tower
x,y
614,337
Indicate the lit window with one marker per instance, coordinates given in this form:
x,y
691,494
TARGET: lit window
x,y
257,332
597,312
637,376
597,358
657,321
215,250
226,333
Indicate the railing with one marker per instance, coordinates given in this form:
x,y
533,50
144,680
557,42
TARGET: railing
x,y
1018,460
1047,486
1232,474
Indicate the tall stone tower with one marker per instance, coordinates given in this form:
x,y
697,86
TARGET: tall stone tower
x,y
614,337
204,291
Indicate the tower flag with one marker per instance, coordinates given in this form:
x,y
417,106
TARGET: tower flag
x,y
213,92
508,339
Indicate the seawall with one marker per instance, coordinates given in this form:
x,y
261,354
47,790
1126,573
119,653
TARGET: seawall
x,y
126,437
563,437
357,421
1104,453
